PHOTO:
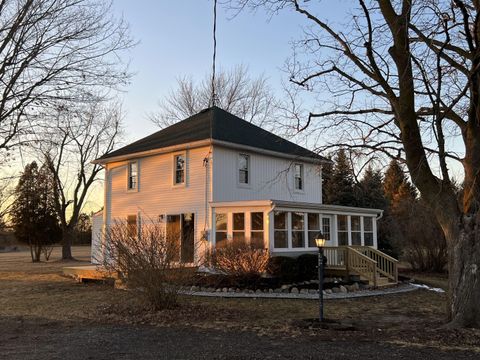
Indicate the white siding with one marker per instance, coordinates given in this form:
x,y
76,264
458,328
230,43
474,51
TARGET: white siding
x,y
97,228
156,193
271,178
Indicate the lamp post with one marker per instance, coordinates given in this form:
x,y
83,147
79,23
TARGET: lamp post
x,y
320,242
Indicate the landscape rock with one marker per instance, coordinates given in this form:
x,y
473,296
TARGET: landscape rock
x,y
294,290
304,291
194,288
343,289
328,291
335,290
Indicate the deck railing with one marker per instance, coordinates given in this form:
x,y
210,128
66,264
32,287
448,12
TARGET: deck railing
x,y
362,260
386,265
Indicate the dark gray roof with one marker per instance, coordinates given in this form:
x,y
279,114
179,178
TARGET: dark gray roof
x,y
217,124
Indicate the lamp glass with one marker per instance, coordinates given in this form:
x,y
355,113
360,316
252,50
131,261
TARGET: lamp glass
x,y
320,242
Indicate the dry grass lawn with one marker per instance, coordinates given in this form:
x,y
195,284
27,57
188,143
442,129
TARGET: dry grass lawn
x,y
39,291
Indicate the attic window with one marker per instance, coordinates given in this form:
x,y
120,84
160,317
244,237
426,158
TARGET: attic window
x,y
243,168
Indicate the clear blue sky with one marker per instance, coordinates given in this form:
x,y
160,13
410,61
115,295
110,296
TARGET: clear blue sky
x,y
176,40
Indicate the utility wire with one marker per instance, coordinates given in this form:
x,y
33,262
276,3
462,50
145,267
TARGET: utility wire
x,y
214,95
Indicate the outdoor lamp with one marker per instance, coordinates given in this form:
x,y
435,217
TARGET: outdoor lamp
x,y
320,242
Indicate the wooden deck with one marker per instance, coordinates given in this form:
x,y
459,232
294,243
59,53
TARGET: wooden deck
x,y
87,272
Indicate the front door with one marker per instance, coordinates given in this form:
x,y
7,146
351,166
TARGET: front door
x,y
181,229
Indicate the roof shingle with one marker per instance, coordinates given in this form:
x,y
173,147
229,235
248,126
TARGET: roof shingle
x,y
216,124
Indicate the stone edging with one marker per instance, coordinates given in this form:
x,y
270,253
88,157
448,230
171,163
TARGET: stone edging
x,y
402,288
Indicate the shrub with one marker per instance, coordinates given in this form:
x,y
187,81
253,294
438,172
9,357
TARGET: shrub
x,y
283,267
240,260
147,260
307,267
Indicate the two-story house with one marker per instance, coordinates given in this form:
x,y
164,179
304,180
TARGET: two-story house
x,y
217,178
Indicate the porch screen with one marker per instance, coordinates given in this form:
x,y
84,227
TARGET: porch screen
x,y
368,231
220,229
280,226
256,226
342,222
238,227
313,229
356,230
298,233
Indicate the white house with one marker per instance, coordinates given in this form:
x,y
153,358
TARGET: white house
x,y
217,177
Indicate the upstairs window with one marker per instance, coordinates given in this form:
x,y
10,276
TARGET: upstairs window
x,y
298,177
179,175
132,176
243,168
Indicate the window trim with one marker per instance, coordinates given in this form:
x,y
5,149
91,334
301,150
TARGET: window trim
x,y
302,177
249,170
129,172
174,169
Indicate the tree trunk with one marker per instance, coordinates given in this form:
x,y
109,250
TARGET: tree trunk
x,y
67,240
464,274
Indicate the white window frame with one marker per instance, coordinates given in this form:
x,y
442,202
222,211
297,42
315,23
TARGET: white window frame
x,y
129,174
302,177
174,169
249,170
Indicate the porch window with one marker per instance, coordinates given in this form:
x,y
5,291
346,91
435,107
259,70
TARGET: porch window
x,y
179,176
368,231
356,230
239,227
280,229
243,168
132,175
220,229
132,226
298,233
298,177
313,228
256,230
342,223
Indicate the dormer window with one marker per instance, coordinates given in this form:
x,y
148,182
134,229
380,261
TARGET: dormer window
x,y
243,169
132,182
298,176
179,169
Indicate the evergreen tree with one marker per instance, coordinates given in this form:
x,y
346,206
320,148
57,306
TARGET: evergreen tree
x,y
327,170
370,192
396,186
33,214
339,189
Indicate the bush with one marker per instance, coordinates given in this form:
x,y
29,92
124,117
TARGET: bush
x,y
307,267
243,262
147,260
283,267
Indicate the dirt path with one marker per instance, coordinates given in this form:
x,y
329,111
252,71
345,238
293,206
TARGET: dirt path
x,y
42,340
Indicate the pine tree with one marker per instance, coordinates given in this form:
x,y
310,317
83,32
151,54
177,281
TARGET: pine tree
x,y
34,219
339,189
370,193
396,186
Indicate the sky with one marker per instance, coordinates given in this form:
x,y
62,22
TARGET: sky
x,y
175,40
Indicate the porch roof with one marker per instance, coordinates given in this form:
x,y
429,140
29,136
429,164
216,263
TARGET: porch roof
x,y
296,205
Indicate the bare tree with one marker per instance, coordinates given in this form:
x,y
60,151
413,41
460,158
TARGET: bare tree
x,y
236,91
402,78
77,137
55,50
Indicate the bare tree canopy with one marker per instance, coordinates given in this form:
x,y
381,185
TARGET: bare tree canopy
x,y
402,78
77,137
55,50
249,98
